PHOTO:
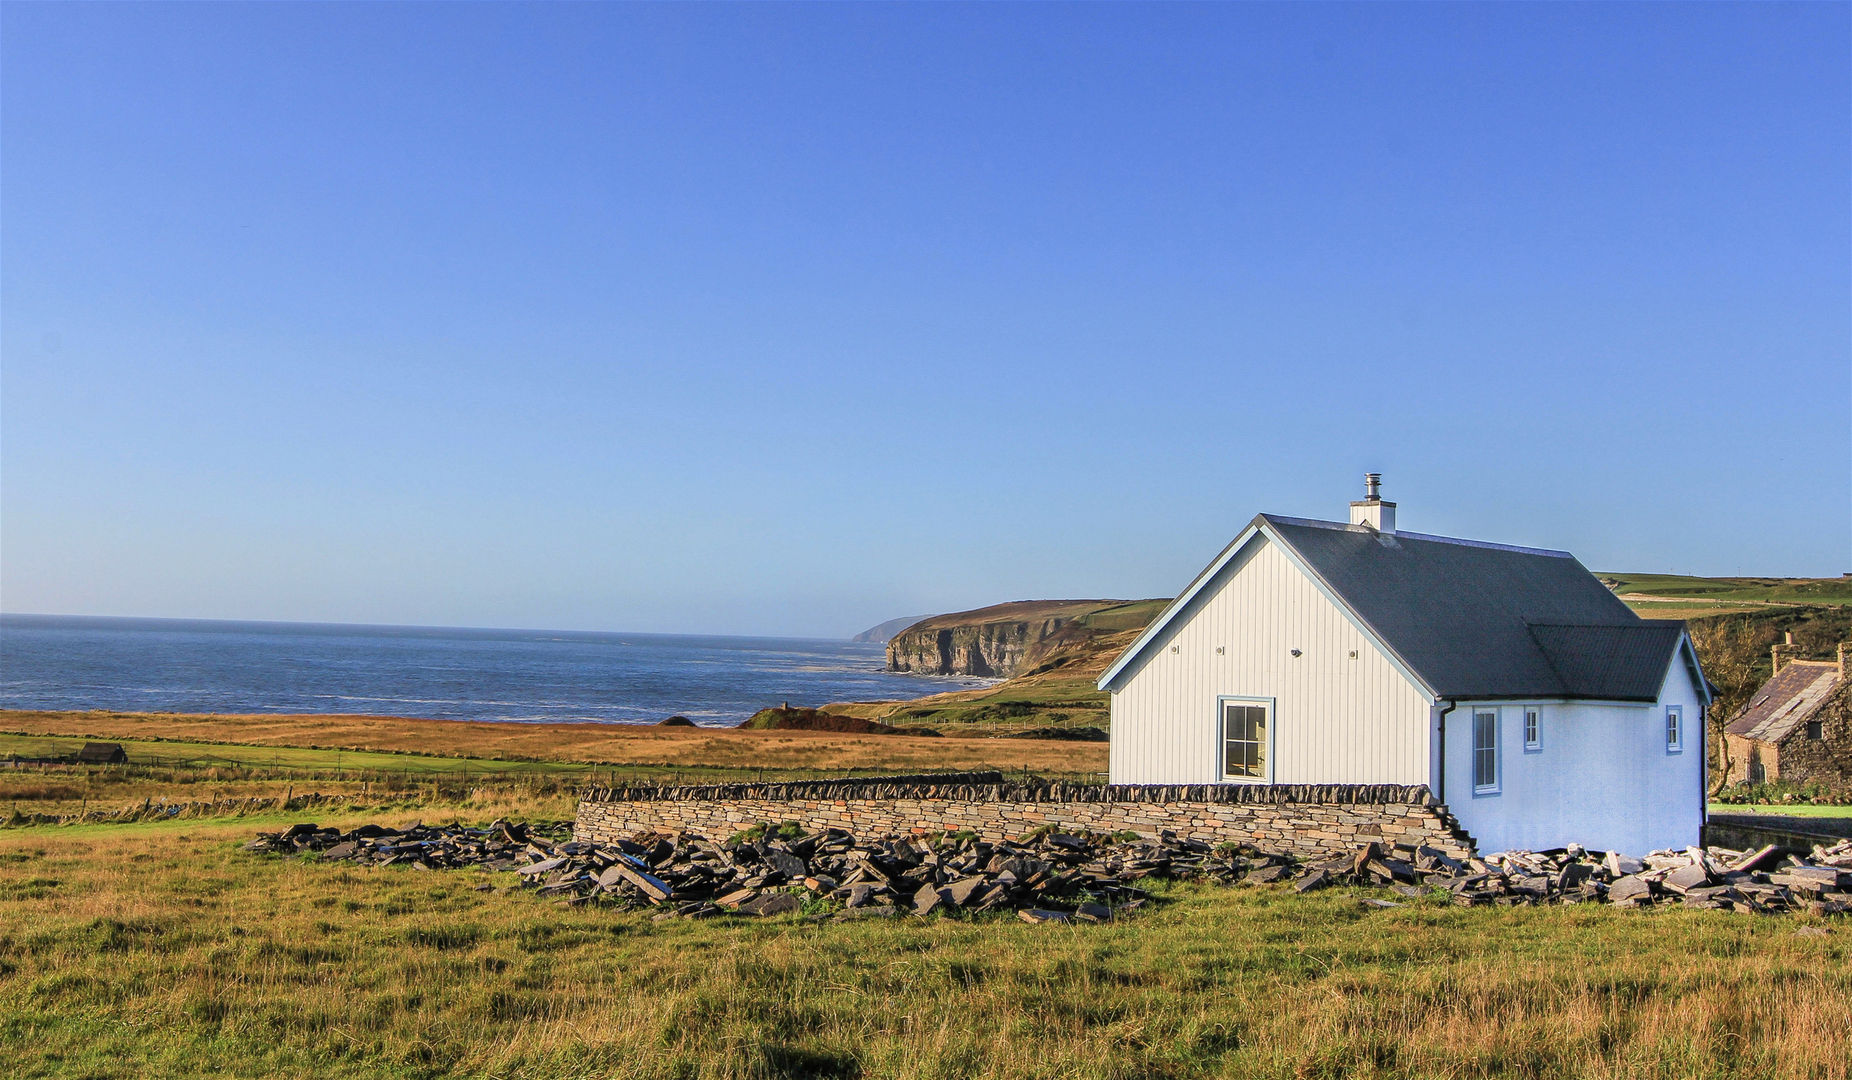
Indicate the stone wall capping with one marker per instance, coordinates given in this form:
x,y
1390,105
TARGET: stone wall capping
x,y
1304,818
991,787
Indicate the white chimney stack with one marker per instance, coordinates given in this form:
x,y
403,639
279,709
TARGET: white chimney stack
x,y
1372,511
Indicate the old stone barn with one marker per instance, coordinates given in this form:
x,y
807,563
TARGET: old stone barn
x,y
1797,728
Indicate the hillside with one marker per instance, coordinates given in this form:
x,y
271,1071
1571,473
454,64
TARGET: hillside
x,y
1012,639
883,631
1053,685
1677,596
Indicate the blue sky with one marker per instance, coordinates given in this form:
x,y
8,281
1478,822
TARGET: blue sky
x,y
788,320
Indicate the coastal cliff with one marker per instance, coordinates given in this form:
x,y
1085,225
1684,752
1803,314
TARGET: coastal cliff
x,y
1007,640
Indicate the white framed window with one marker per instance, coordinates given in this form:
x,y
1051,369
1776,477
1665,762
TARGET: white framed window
x,y
1675,729
1485,751
1533,728
1247,738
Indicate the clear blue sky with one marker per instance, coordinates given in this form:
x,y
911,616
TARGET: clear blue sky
x,y
787,320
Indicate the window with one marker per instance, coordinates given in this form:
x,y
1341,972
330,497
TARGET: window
x,y
1533,728
1244,740
1485,752
1675,729
1814,730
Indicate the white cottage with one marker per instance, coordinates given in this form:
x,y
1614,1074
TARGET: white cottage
x,y
1509,680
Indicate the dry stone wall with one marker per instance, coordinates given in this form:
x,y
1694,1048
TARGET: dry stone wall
x,y
1299,819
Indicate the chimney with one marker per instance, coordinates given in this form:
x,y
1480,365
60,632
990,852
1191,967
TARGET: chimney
x,y
1372,511
1774,651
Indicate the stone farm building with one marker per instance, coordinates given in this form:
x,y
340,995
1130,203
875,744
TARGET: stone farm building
x,y
1513,684
1797,727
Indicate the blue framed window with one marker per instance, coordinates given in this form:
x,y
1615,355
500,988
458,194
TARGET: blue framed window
x,y
1675,729
1485,751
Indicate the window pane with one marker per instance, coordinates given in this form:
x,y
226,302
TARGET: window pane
x,y
1485,749
1244,740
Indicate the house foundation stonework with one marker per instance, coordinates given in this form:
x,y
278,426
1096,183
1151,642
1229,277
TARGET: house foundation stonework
x,y
1299,819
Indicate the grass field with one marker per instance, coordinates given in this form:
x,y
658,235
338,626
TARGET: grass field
x,y
163,950
1675,596
625,746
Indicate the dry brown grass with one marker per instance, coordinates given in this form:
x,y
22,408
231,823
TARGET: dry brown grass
x,y
616,744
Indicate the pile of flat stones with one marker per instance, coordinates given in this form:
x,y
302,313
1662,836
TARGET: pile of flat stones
x,y
1051,877
503,845
1766,881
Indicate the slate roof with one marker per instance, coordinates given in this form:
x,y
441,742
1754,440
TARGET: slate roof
x,y
1472,620
102,753
1786,701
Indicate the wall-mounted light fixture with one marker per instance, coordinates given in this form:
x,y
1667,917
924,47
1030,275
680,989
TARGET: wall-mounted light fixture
x,y
1296,652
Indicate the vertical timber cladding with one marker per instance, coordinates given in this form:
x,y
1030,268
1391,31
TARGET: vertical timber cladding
x,y
1300,819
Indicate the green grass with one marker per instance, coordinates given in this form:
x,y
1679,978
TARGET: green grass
x,y
201,776
1132,615
1756,590
163,950
153,756
173,754
1784,809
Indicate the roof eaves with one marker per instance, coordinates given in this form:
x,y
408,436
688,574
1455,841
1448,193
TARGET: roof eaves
x,y
1695,666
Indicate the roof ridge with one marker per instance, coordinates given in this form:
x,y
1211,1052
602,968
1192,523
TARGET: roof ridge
x,y
1548,660
1655,624
1401,534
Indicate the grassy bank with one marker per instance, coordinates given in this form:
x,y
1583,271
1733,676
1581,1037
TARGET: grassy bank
x,y
1782,809
162,950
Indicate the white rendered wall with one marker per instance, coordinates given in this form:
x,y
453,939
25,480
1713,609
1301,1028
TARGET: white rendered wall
x,y
1336,720
1601,778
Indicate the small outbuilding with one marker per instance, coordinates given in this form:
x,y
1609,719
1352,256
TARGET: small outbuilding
x,y
1796,728
102,753
1509,680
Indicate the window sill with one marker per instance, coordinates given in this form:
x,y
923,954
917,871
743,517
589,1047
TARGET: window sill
x,y
1483,793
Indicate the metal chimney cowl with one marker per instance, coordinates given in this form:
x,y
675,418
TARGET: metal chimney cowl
x,y
1372,512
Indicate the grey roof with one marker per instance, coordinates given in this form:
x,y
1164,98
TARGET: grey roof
x,y
1793,694
1476,621
1617,663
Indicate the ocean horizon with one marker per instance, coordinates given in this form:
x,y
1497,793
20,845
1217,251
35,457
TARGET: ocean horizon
x,y
136,664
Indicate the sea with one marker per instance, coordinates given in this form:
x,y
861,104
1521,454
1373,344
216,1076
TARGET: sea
x,y
516,676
